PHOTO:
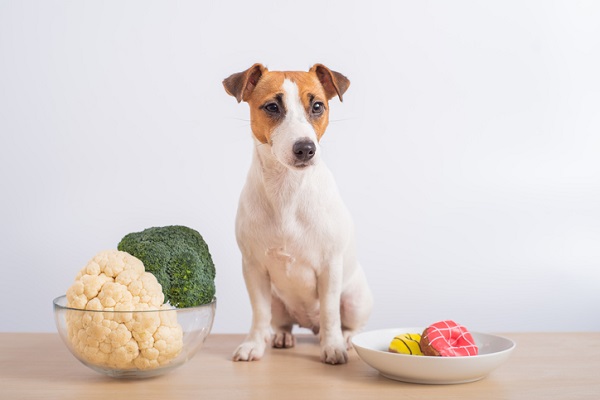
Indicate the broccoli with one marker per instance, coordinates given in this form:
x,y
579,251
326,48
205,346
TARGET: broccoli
x,y
179,258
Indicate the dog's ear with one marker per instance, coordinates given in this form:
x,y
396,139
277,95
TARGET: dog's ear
x,y
333,82
240,85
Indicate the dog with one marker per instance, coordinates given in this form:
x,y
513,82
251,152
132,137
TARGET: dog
x,y
294,232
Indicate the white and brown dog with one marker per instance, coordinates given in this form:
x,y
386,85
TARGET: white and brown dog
x,y
294,232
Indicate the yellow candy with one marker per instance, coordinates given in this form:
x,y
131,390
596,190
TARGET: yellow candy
x,y
407,343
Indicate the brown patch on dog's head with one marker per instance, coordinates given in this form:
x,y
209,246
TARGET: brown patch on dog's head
x,y
263,91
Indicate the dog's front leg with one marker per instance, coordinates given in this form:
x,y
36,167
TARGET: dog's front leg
x,y
333,347
259,290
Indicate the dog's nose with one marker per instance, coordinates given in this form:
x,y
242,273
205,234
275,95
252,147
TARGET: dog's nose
x,y
304,150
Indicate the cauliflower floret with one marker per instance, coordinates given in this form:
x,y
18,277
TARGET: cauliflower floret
x,y
116,281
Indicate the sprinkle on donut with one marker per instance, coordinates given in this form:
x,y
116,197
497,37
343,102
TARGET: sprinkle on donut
x,y
447,339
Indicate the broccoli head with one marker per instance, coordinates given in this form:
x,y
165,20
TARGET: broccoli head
x,y
179,258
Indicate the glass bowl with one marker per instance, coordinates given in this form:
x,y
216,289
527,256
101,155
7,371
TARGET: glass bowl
x,y
133,344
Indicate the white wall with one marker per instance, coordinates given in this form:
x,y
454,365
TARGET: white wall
x,y
466,148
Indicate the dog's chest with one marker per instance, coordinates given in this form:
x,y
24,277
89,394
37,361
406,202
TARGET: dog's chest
x,y
293,223
295,235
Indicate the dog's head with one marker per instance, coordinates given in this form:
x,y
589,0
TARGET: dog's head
x,y
289,111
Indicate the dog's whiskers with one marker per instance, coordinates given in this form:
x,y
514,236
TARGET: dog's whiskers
x,y
342,120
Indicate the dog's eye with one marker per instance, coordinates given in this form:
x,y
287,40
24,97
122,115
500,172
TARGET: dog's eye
x,y
272,108
317,108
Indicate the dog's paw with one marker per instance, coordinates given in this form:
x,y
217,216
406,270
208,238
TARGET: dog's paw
x,y
334,354
249,351
283,340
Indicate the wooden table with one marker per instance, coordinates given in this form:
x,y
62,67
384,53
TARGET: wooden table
x,y
543,366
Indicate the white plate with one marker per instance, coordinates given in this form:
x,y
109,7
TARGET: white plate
x,y
372,348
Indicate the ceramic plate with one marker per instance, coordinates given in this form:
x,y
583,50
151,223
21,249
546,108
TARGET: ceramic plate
x,y
372,348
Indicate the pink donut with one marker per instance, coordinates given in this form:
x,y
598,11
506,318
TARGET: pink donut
x,y
447,339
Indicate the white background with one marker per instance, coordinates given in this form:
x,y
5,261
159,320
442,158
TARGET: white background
x,y
467,147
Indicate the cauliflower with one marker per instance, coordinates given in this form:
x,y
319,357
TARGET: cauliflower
x,y
116,281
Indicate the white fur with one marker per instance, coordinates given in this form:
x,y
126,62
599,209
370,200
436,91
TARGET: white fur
x,y
297,243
